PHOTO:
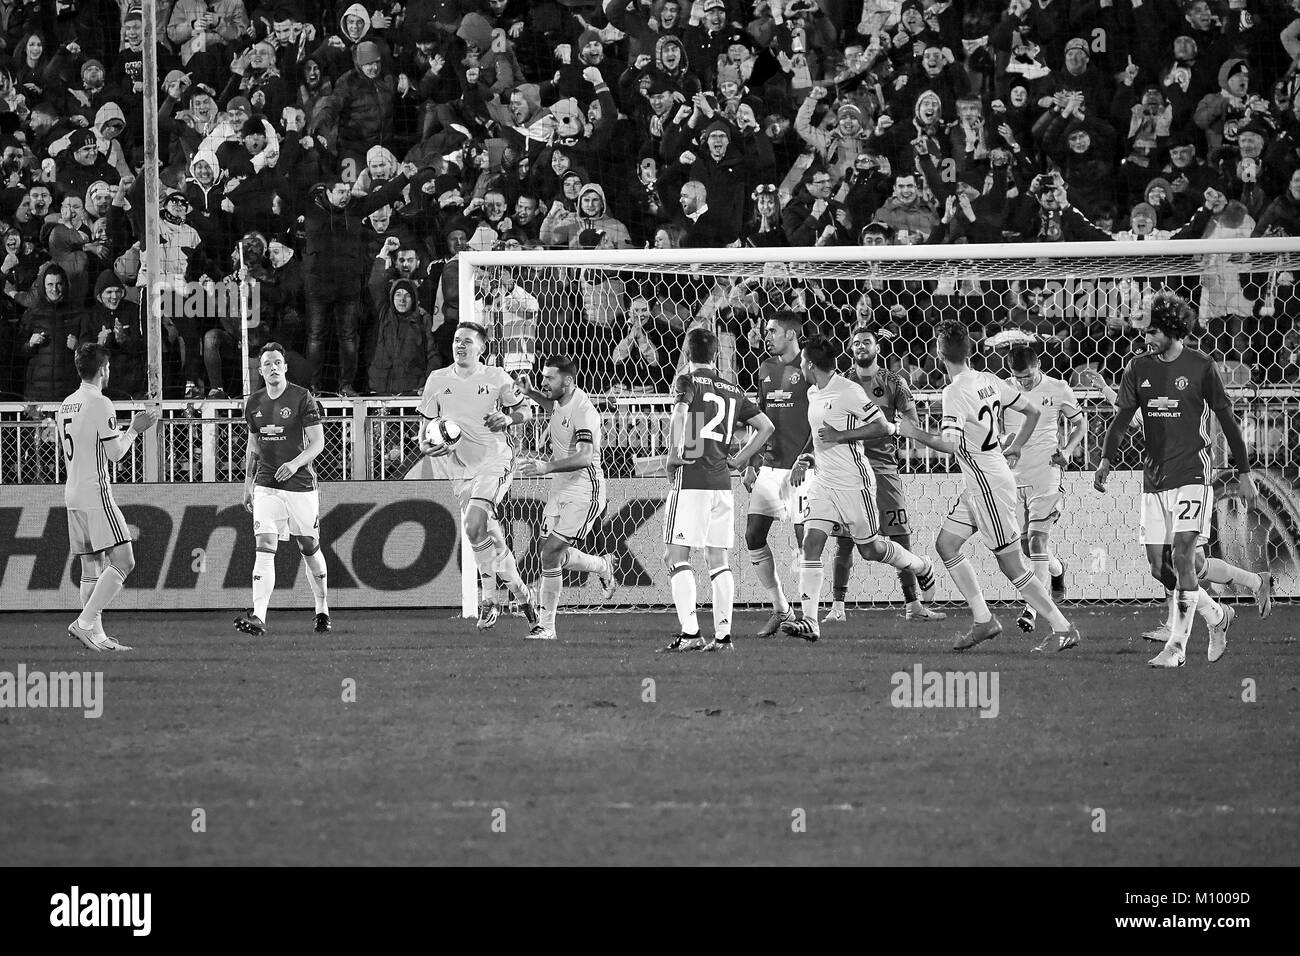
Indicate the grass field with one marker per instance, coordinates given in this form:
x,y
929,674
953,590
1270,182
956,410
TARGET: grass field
x,y
450,727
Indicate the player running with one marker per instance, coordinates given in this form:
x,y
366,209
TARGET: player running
x,y
577,497
1040,494
701,509
1177,388
973,403
783,398
483,400
841,495
285,435
1209,570
97,532
890,393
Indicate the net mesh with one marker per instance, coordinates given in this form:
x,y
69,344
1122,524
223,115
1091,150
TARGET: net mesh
x,y
624,322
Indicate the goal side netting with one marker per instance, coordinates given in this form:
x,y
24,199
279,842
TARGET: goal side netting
x,y
622,316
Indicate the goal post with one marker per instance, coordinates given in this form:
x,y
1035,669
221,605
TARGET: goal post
x,y
622,315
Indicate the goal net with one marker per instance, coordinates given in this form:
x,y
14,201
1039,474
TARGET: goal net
x,y
622,316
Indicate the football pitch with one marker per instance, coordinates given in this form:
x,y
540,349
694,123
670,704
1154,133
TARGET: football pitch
x,y
406,737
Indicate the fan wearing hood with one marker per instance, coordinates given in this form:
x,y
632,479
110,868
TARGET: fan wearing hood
x,y
337,51
114,323
404,350
730,164
359,113
50,328
525,123
1082,150
204,187
109,128
564,228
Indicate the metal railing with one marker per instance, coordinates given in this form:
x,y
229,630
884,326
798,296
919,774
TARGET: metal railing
x,y
377,439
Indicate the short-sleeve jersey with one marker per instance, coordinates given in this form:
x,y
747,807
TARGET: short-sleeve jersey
x,y
843,405
1056,403
973,403
467,400
572,424
890,393
783,397
280,425
86,420
715,407
1177,400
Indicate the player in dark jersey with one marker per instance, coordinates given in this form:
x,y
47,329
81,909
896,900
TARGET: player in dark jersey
x,y
284,437
890,393
701,513
783,397
1176,388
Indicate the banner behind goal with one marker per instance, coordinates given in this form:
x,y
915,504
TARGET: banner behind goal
x,y
622,315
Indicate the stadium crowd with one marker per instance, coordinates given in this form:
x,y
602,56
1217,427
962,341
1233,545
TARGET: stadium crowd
x,y
338,157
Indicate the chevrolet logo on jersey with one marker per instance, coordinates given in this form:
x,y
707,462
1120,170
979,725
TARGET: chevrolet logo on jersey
x,y
779,395
270,429
1162,407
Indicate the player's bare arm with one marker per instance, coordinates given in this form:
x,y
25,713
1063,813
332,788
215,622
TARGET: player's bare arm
x,y
806,460
582,458
1110,447
676,456
911,429
1075,429
315,445
878,429
761,430
1027,425
250,470
514,410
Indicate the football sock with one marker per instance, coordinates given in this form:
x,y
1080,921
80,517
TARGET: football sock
x,y
724,595
87,588
552,583
1054,566
1219,571
1184,616
1034,592
906,579
1210,609
838,605
106,588
841,569
317,580
811,576
1169,609
583,562
263,582
765,565
963,575
1041,564
682,579
487,577
899,557
508,570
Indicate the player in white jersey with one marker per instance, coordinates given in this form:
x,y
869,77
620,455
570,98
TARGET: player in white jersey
x,y
841,497
577,498
97,532
973,403
1040,496
483,401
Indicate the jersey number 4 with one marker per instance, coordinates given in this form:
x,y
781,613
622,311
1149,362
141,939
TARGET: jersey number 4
x,y
992,439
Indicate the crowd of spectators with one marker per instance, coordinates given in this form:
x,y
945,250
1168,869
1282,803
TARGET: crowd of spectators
x,y
337,157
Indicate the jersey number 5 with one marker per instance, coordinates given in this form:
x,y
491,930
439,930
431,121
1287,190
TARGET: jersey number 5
x,y
992,438
68,447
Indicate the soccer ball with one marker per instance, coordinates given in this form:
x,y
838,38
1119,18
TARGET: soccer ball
x,y
442,431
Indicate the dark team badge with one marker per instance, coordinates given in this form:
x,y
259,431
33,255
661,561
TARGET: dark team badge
x,y
878,392
1180,382
286,412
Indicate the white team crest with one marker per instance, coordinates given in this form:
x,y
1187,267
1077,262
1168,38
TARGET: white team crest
x,y
1180,382
286,412
794,379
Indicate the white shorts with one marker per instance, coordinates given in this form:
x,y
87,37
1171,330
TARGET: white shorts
x,y
286,513
573,516
843,512
990,509
774,497
487,485
700,518
1039,503
91,530
1166,513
